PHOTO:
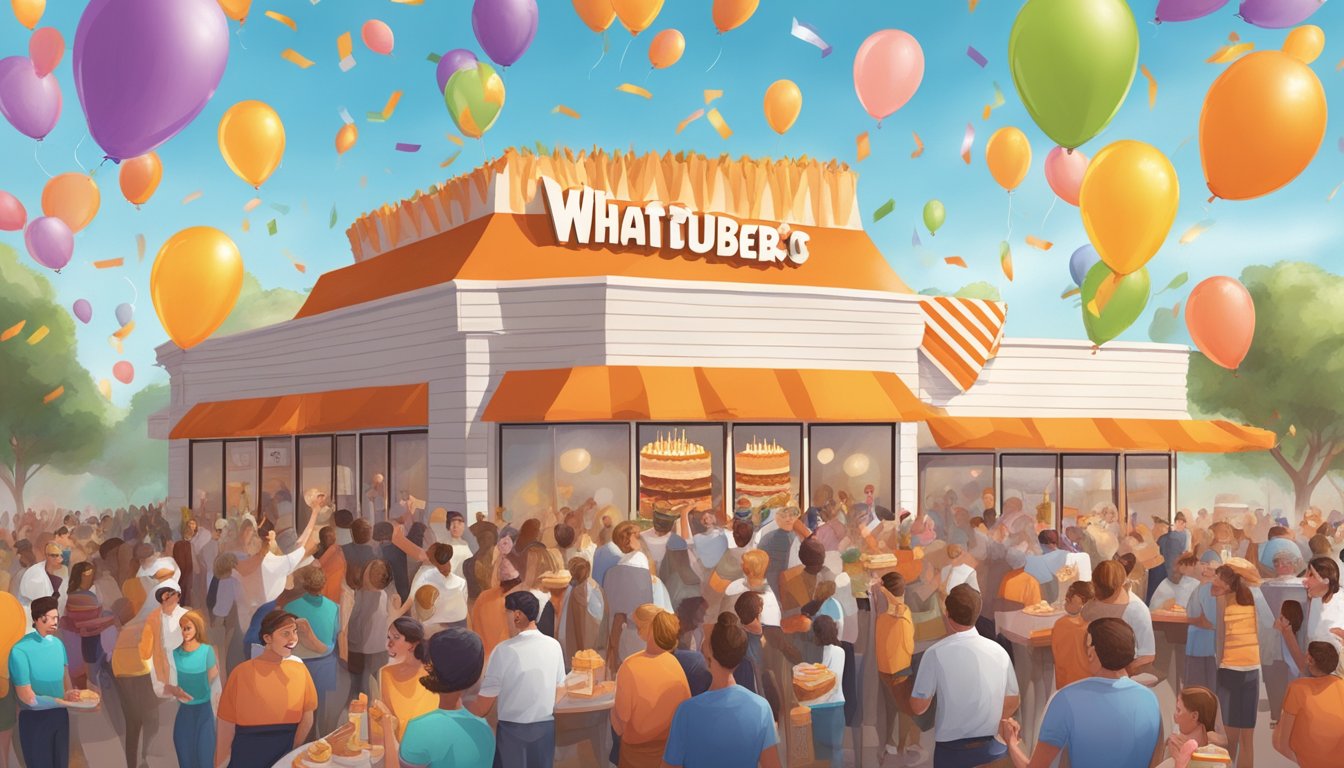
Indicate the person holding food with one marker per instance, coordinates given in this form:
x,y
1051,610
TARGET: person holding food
x,y
268,702
194,683
41,679
399,686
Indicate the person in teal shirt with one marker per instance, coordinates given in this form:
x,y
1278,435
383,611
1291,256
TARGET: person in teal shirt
x,y
319,623
41,679
197,675
450,736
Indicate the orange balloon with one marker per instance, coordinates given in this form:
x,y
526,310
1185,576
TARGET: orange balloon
x,y
346,138
1220,316
139,178
783,102
72,198
1008,155
597,14
1305,43
666,48
195,283
731,14
1263,121
636,15
28,12
236,9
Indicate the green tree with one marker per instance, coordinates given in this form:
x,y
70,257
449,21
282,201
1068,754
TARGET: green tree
x,y
1290,380
259,307
131,460
65,433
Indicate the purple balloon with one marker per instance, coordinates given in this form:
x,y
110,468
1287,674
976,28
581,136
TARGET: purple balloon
x,y
50,242
1277,14
1081,261
1186,10
451,62
144,69
504,28
30,103
83,311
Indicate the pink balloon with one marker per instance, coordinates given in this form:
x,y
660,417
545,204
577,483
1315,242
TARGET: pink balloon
x,y
1064,170
45,48
377,36
12,213
123,371
50,242
1220,316
887,71
30,103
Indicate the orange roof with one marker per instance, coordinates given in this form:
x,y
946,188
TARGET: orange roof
x,y
344,410
1082,434
639,393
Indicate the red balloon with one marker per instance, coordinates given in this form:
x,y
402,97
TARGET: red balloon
x,y
123,371
1221,318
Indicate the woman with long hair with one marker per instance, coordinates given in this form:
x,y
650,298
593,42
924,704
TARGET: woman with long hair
x,y
828,711
649,687
1238,652
1115,600
195,684
399,681
1196,720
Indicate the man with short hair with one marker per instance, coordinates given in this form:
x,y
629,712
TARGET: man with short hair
x,y
41,679
975,684
1280,542
1174,592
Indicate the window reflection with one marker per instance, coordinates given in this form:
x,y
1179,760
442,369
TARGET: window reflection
x,y
240,477
680,463
1089,486
853,466
276,500
207,480
952,481
374,494
314,474
347,490
1148,487
1030,487
767,464
410,473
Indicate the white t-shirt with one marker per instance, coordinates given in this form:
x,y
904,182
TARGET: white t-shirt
x,y
1140,619
833,656
1168,590
656,545
1323,616
771,615
451,604
523,673
954,575
971,675
275,569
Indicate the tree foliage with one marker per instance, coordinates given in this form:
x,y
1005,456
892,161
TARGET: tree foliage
x,y
258,307
132,461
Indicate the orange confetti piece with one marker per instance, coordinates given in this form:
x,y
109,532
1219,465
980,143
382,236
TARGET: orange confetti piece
x,y
1229,53
108,263
1152,86
863,147
1292,430
1176,310
296,58
140,247
634,90
1334,191
711,95
1233,37
124,331
1006,260
391,105
283,19
13,330
38,335
299,266
967,141
247,225
691,118
720,125
53,394
955,261
1340,65
1192,234
455,139
192,197
450,159
919,146
972,4
251,205
1036,242
561,109
1070,292
105,389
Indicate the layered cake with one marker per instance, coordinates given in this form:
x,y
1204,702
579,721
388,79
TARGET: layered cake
x,y
761,470
674,471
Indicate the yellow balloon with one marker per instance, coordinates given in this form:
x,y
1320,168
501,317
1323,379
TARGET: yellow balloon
x,y
1008,155
236,9
1128,202
1305,43
28,12
666,48
72,198
346,138
783,102
252,140
195,283
636,15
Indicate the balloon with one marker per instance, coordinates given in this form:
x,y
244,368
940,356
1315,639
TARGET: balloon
x,y
30,103
12,213
140,177
825,456
346,138
252,140
1263,121
603,496
377,36
83,310
1186,10
72,198
575,460
1220,316
123,371
475,97
666,48
451,63
1072,62
124,313
145,68
1118,301
50,242
934,215
856,465
1064,171
1305,43
1128,201
1008,155
1277,14
195,283
504,28
236,9
597,14
28,12
636,15
783,102
887,71
1081,261
45,48
731,14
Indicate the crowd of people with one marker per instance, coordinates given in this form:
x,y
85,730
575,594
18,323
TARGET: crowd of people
x,y
254,638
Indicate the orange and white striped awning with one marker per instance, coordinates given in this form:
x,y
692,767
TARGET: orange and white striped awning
x,y
961,336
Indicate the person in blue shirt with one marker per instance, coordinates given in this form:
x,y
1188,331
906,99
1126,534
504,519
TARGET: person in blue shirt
x,y
1103,721
1201,667
1174,543
319,626
196,678
726,725
41,679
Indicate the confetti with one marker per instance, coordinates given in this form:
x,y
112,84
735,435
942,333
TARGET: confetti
x,y
720,125
281,208
388,109
345,116
808,34
332,224
1331,196
884,209
117,338
247,226
1036,242
1176,310
251,205
972,4
561,109
1192,234
404,147
1006,260
363,182
108,263
1233,37
967,141
450,159
433,58
409,2
140,247
995,104
1340,65
13,330
634,90
38,335
1292,430
914,239
272,227
541,149
299,266
691,118
919,146
283,19
1229,53
455,139
1152,86
345,50
296,58
712,95
53,394
1070,292
955,261
105,389
976,56
294,260
863,147
192,197
1176,282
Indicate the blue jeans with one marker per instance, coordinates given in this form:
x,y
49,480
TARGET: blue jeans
x,y
194,736
828,734
968,753
44,737
525,745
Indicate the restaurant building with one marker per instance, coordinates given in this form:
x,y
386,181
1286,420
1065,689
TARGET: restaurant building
x,y
627,328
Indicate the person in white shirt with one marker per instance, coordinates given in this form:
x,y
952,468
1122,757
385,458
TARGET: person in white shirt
x,y
828,711
273,565
655,539
975,684
1176,592
958,571
526,677
448,608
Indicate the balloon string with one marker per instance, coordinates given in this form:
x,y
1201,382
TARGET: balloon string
x,y
36,147
600,57
720,56
1048,211
648,75
627,50
135,291
77,146
239,33
1009,236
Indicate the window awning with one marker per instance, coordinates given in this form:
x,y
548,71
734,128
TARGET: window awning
x,y
1080,434
344,410
653,393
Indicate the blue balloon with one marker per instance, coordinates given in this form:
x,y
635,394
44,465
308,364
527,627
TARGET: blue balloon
x,y
1081,261
125,313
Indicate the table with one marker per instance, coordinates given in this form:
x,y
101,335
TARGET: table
x,y
586,720
1169,633
365,762
1032,661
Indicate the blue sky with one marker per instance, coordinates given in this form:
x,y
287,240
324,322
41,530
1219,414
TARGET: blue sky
x,y
1294,223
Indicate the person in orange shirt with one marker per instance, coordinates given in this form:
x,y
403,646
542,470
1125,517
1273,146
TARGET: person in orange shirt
x,y
1311,730
399,686
1018,588
11,631
649,687
1068,638
331,558
268,703
488,617
895,633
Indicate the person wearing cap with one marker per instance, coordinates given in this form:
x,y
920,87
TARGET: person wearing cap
x,y
655,539
41,680
45,579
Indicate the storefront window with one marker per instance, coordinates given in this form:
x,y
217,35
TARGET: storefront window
x,y
1148,487
240,477
1089,485
207,479
546,467
347,490
1030,483
951,480
680,463
314,473
768,464
850,464
374,497
276,500
410,472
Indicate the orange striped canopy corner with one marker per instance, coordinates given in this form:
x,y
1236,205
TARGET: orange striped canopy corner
x,y
345,410
1081,434
647,393
961,336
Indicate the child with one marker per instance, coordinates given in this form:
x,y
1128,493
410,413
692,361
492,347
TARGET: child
x,y
1068,638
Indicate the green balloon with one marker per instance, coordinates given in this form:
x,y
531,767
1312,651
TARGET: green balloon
x,y
1125,306
474,96
934,213
1073,62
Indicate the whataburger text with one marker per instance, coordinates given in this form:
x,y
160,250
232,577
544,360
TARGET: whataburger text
x,y
585,215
